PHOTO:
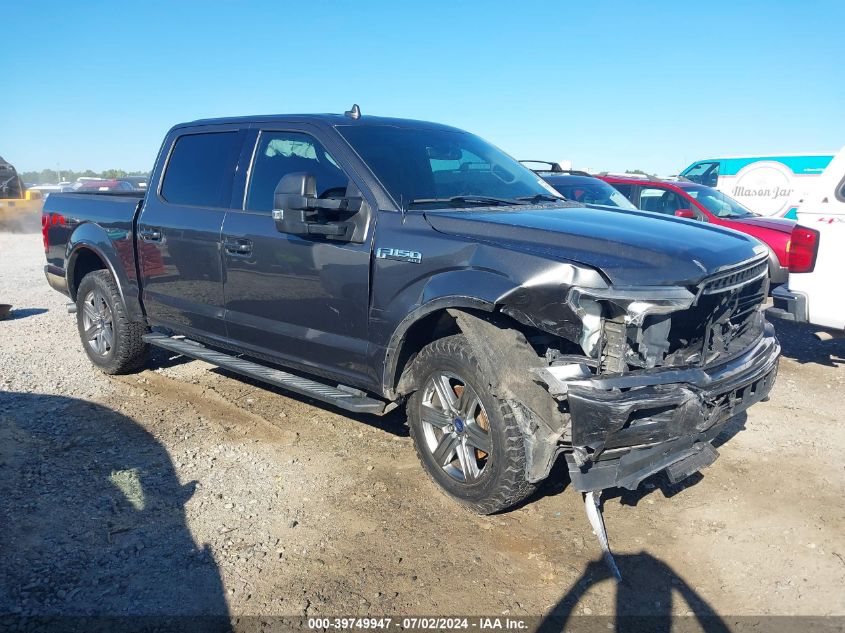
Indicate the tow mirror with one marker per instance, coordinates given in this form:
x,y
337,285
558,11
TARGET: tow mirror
x,y
297,209
685,213
294,191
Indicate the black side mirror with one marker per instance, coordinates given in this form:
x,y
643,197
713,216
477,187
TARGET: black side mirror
x,y
294,190
298,210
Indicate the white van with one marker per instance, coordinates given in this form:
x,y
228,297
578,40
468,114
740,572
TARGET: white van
x,y
813,293
771,185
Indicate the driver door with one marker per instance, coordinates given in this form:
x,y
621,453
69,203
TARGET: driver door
x,y
299,300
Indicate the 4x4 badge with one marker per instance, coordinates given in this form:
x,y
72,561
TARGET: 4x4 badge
x,y
399,254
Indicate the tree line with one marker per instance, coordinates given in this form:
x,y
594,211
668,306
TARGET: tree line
x,y
53,176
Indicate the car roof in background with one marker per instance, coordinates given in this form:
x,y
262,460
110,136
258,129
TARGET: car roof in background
x,y
568,179
647,181
98,183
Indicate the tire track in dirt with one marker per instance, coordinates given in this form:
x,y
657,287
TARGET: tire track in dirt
x,y
206,402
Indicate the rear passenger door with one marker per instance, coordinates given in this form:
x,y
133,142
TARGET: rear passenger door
x,y
179,248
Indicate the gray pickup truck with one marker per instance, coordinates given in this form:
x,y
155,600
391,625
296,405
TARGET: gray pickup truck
x,y
369,262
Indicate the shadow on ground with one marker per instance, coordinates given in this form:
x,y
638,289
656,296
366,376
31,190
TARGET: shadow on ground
x,y
94,522
161,358
392,422
799,344
22,313
644,600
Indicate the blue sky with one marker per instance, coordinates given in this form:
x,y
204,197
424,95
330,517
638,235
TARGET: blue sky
x,y
608,85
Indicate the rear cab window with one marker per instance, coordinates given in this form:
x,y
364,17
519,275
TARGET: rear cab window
x,y
200,169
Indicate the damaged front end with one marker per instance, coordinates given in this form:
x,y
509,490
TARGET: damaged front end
x,y
663,370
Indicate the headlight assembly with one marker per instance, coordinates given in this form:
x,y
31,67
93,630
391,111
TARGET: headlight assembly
x,y
634,304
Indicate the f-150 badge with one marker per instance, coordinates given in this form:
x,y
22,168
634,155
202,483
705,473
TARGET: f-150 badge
x,y
399,254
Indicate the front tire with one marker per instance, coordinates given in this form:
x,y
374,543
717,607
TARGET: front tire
x,y
466,438
111,340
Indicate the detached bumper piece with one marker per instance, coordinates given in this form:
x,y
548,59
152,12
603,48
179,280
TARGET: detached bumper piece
x,y
592,504
621,436
703,455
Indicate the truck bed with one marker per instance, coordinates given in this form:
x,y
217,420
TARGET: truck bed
x,y
102,221
94,206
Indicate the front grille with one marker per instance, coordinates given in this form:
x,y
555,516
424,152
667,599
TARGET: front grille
x,y
734,278
723,321
735,321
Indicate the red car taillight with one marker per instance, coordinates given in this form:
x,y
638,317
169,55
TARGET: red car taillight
x,y
803,248
45,224
48,220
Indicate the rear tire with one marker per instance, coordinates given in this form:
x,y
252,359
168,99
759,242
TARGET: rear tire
x,y
111,340
470,446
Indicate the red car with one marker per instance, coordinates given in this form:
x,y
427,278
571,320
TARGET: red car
x,y
699,202
103,184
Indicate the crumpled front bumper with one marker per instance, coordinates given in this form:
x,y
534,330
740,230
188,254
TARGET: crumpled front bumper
x,y
627,427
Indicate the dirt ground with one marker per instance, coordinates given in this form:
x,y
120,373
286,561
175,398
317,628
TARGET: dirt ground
x,y
185,489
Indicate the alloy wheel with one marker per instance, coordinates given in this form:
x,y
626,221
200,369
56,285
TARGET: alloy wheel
x,y
97,323
456,427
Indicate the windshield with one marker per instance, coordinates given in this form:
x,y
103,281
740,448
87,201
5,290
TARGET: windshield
x,y
598,192
430,168
718,203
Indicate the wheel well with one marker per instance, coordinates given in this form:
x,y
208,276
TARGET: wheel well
x,y
437,325
429,328
441,323
86,261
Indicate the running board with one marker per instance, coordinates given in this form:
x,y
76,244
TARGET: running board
x,y
341,396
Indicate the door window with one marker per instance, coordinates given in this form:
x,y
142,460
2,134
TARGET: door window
x,y
661,201
703,174
282,153
200,169
625,190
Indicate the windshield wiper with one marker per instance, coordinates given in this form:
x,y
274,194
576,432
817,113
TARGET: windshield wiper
x,y
468,199
541,197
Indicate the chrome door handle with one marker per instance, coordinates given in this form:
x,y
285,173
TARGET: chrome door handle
x,y
150,235
238,247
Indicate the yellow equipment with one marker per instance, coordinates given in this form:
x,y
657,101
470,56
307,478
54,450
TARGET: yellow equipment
x,y
20,208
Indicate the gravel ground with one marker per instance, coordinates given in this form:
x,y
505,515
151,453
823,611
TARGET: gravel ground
x,y
183,489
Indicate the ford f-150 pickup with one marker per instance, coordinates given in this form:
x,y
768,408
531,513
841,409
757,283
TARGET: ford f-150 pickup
x,y
371,262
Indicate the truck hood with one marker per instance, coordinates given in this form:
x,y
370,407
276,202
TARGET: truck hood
x,y
629,247
782,225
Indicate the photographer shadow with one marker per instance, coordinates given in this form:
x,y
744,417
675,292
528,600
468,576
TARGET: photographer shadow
x,y
94,528
643,603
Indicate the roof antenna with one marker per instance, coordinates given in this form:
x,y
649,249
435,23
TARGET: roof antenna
x,y
354,113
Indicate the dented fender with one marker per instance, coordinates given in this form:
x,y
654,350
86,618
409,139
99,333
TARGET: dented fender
x,y
534,295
